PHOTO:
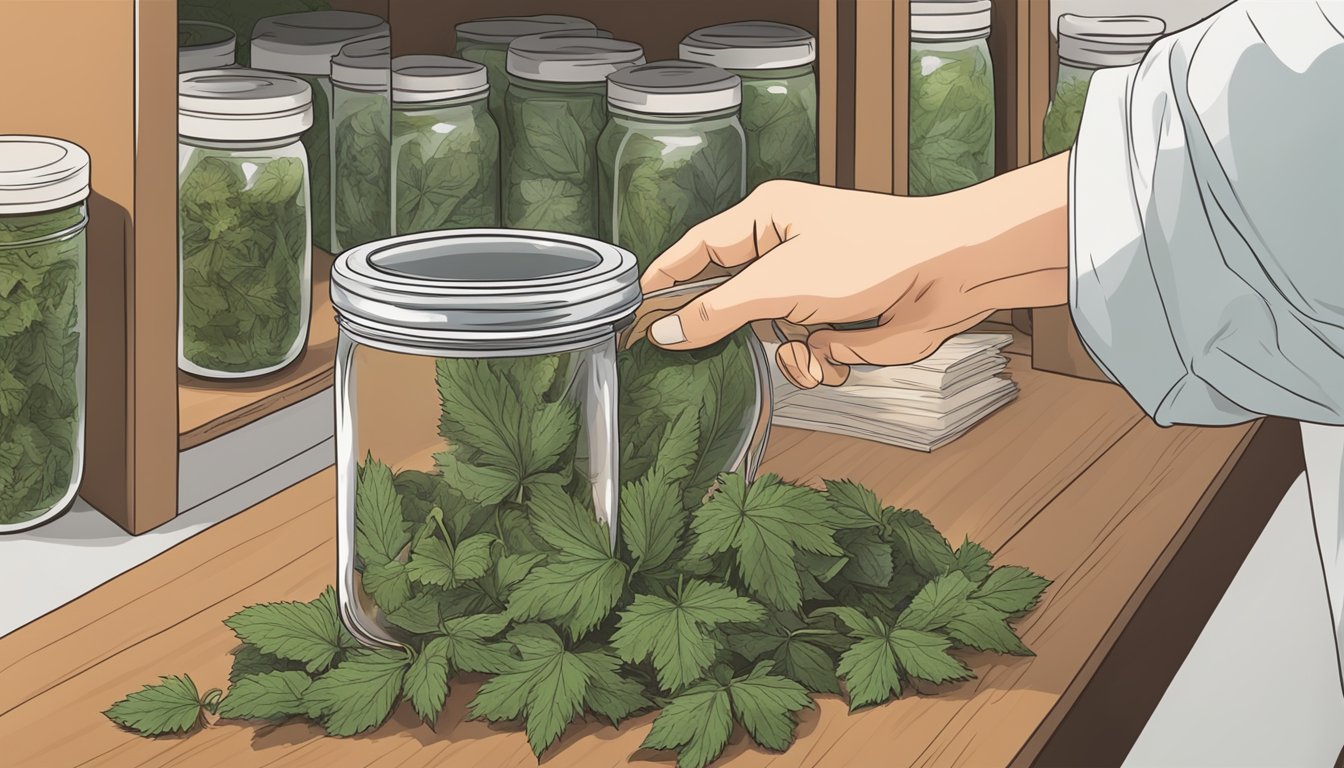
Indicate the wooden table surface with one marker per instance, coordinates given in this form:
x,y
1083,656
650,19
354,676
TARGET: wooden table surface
x,y
1069,480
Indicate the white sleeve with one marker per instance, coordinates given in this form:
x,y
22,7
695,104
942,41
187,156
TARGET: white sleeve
x,y
1206,199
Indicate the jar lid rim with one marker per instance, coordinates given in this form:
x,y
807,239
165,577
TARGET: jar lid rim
x,y
41,173
420,78
504,29
750,45
304,43
568,57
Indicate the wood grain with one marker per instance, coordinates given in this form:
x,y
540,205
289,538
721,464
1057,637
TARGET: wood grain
x,y
208,409
874,113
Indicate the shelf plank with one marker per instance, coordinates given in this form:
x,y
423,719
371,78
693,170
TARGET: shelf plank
x,y
208,409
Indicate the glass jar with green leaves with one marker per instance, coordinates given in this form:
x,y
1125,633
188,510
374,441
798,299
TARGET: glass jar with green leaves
x,y
555,108
951,96
779,93
486,42
1086,44
445,146
361,143
243,223
203,45
302,45
44,183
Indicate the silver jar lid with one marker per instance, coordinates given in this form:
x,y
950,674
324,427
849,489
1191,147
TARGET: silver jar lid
x,y
565,57
364,65
304,43
674,88
422,78
750,45
39,173
505,29
242,105
942,21
203,45
487,289
1095,42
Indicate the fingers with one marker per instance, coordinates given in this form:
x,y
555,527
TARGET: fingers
x,y
759,292
879,345
733,238
806,370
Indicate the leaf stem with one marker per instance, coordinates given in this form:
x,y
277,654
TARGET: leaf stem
x,y
210,701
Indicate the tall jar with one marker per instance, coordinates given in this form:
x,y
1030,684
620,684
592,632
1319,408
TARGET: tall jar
x,y
476,418
44,183
302,45
486,42
779,93
1086,44
243,223
361,143
554,110
203,45
951,96
445,146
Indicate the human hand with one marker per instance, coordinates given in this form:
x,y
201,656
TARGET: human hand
x,y
925,268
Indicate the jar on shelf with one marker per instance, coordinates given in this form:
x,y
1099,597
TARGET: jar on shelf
x,y
302,45
951,96
486,41
673,153
44,184
204,45
554,109
361,143
779,93
445,146
1086,44
243,222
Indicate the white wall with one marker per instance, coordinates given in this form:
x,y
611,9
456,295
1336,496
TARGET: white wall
x,y
1177,13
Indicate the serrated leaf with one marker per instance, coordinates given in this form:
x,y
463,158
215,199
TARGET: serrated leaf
x,y
546,687
697,724
972,560
439,563
310,633
248,660
388,582
808,662
924,655
870,672
1011,589
652,520
357,695
928,551
426,681
985,628
266,696
380,531
612,694
172,705
765,703
940,601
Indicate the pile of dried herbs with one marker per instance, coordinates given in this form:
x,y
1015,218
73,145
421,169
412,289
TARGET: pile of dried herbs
x,y
445,179
779,116
951,119
549,168
1065,114
361,169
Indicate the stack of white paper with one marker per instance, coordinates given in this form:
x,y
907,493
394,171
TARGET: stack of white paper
x,y
921,406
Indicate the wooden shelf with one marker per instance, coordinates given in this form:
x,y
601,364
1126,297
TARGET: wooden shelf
x,y
208,409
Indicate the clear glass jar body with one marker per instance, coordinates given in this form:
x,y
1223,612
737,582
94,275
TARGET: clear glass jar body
x,y
42,352
444,458
494,56
317,144
951,115
549,165
245,257
1065,112
779,115
662,175
445,157
361,175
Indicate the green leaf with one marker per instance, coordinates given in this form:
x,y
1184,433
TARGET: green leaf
x,y
766,523
985,628
924,655
940,601
266,696
972,560
310,633
388,582
467,648
928,551
170,706
426,681
765,704
380,532
248,660
357,695
439,563
652,520
1011,589
611,693
870,672
546,687
677,633
697,724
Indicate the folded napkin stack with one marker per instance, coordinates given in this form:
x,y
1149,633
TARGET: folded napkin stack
x,y
921,406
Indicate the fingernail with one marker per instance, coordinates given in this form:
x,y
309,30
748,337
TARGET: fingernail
x,y
667,331
814,366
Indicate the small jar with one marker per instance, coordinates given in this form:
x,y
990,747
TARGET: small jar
x,y
486,41
951,96
361,143
673,153
43,187
203,45
1086,44
475,384
445,146
779,93
302,45
243,223
554,110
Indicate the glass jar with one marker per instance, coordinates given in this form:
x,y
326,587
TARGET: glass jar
x,y
302,45
243,223
1086,44
203,45
779,93
445,146
951,96
672,154
361,143
43,187
486,42
555,108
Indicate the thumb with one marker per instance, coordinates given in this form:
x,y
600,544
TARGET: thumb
x,y
758,292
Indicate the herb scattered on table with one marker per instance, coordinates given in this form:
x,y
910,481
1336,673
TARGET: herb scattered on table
x,y
244,261
1065,114
718,609
550,168
361,169
781,127
445,179
951,120
41,288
